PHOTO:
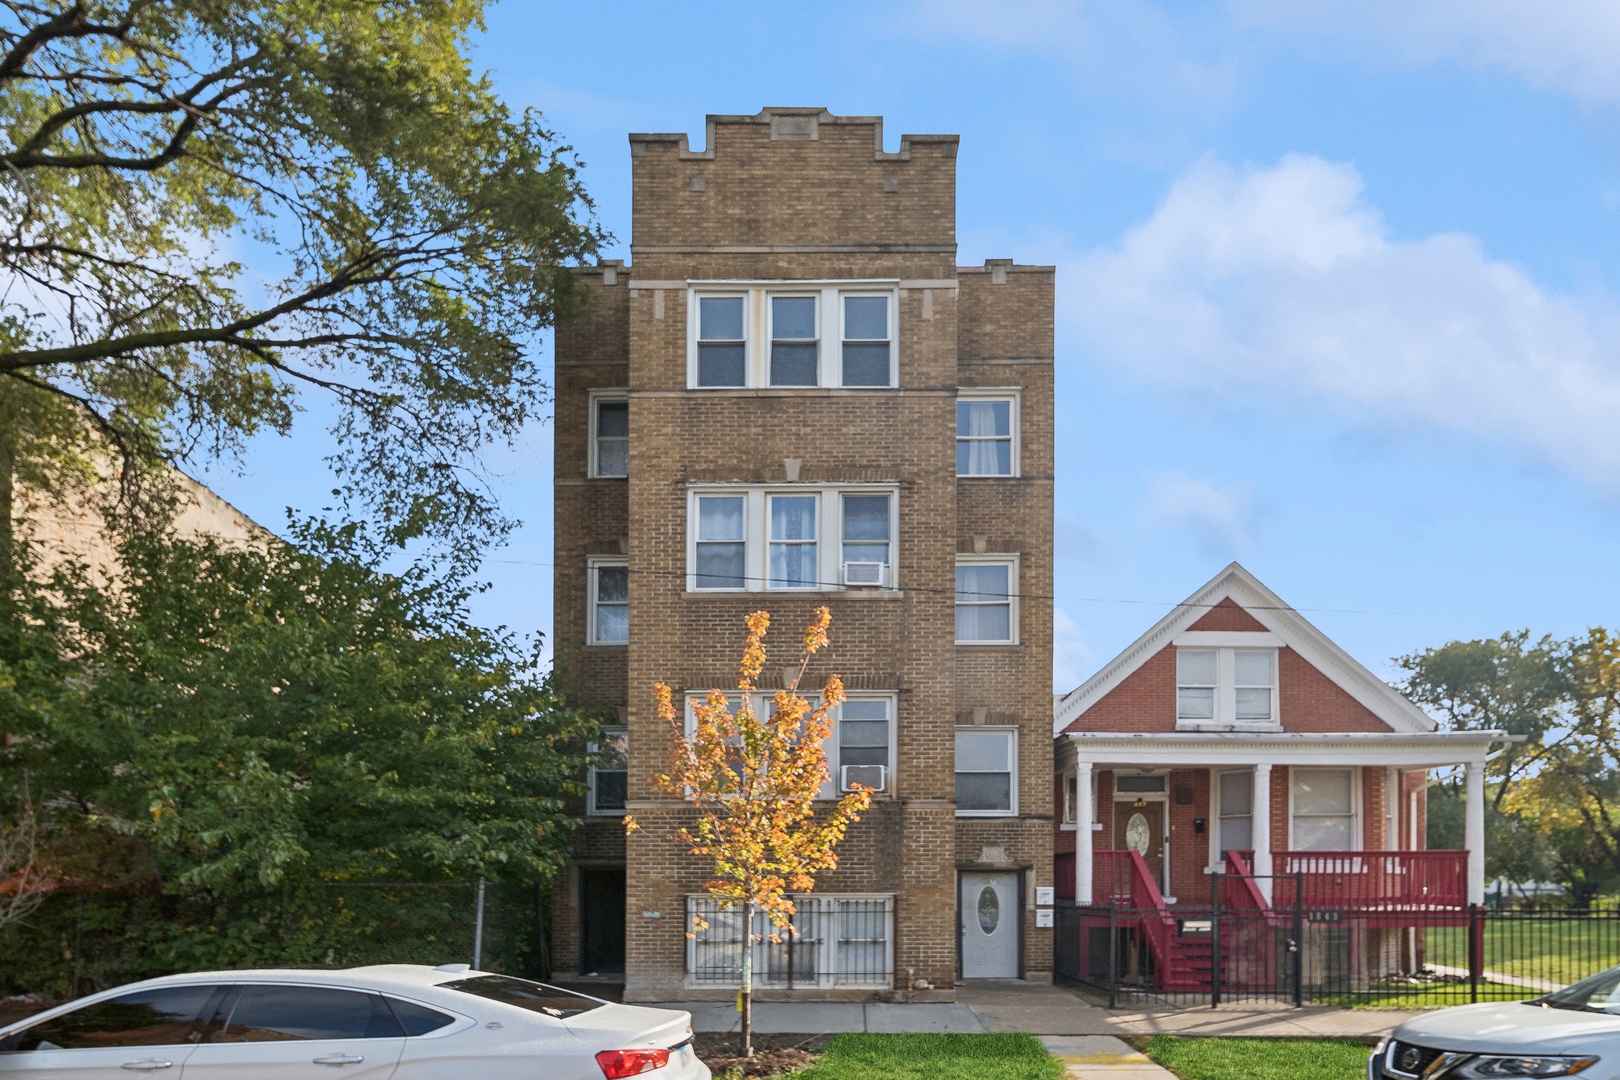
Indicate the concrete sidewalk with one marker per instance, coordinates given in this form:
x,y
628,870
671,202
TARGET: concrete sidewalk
x,y
1043,1009
1102,1057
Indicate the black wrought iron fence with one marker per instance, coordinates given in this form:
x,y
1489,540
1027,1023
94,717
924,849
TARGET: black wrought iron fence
x,y
1397,957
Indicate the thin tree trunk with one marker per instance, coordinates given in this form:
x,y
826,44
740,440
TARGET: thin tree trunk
x,y
748,981
8,468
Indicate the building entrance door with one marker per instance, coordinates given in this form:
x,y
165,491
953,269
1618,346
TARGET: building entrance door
x,y
601,917
991,915
1139,827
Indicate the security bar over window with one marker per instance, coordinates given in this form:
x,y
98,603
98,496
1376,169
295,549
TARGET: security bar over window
x,y
837,941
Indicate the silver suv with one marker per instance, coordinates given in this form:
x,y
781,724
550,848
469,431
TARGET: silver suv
x,y
1573,1032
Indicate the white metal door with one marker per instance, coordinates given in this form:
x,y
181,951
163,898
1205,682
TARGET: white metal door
x,y
990,917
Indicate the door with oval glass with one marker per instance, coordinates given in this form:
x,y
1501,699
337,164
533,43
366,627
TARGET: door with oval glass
x,y
1139,827
991,914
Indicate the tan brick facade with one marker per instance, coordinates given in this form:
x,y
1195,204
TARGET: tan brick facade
x,y
801,196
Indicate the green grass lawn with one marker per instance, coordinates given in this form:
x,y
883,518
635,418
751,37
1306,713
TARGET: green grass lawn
x,y
1560,952
1260,1059
1436,996
934,1057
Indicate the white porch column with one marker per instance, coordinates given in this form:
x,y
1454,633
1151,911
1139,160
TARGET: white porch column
x,y
1474,831
1260,828
1082,832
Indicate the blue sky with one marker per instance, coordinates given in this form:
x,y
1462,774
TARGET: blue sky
x,y
1336,280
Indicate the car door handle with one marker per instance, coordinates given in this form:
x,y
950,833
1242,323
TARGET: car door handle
x,y
148,1065
340,1059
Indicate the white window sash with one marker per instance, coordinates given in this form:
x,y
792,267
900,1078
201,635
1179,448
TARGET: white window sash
x,y
1011,603
758,330
758,542
593,568
1011,772
1014,398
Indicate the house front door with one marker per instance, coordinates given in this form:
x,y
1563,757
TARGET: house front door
x,y
991,915
1139,827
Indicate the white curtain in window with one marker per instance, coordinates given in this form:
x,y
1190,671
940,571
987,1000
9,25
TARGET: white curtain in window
x,y
1324,810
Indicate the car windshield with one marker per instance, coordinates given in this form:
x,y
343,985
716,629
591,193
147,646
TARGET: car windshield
x,y
1600,993
536,997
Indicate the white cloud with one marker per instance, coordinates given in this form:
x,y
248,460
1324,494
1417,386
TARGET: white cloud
x,y
1071,659
1568,46
1282,282
1219,522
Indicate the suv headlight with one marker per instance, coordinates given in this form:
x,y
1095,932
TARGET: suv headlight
x,y
1497,1067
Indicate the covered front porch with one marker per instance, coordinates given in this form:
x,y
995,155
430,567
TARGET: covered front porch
x,y
1340,815
1268,832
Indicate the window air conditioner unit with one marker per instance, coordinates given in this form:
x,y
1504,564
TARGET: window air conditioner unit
x,y
864,573
875,777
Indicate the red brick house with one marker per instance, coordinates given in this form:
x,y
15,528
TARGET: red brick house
x,y
1235,737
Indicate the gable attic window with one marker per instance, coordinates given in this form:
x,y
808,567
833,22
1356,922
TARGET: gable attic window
x,y
1226,688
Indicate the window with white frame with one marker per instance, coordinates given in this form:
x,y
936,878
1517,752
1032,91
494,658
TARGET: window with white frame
x,y
720,542
771,334
794,341
986,434
608,781
1195,684
608,580
1324,810
866,532
867,338
1236,802
794,537
1071,798
862,748
986,601
986,772
610,435
722,345
1225,688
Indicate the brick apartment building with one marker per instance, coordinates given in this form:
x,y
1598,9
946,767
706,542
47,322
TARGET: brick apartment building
x,y
795,397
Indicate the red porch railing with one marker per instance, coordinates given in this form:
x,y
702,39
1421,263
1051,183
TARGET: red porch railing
x,y
1372,880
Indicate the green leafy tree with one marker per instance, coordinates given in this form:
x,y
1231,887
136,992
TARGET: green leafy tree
x,y
246,723
213,206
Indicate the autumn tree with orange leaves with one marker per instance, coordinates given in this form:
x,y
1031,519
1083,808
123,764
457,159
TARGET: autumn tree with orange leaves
x,y
753,780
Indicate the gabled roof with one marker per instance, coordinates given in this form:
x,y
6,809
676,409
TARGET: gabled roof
x,y
1267,608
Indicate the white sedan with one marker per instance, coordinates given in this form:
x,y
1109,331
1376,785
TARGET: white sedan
x,y
388,1022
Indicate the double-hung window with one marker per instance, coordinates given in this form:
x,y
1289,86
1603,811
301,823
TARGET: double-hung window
x,y
610,435
1324,810
793,334
1236,826
986,601
722,347
1226,687
1195,684
866,352
986,433
866,531
609,611
793,341
793,560
986,772
798,536
721,544
865,736
608,782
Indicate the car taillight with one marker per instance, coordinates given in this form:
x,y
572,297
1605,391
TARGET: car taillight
x,y
619,1063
